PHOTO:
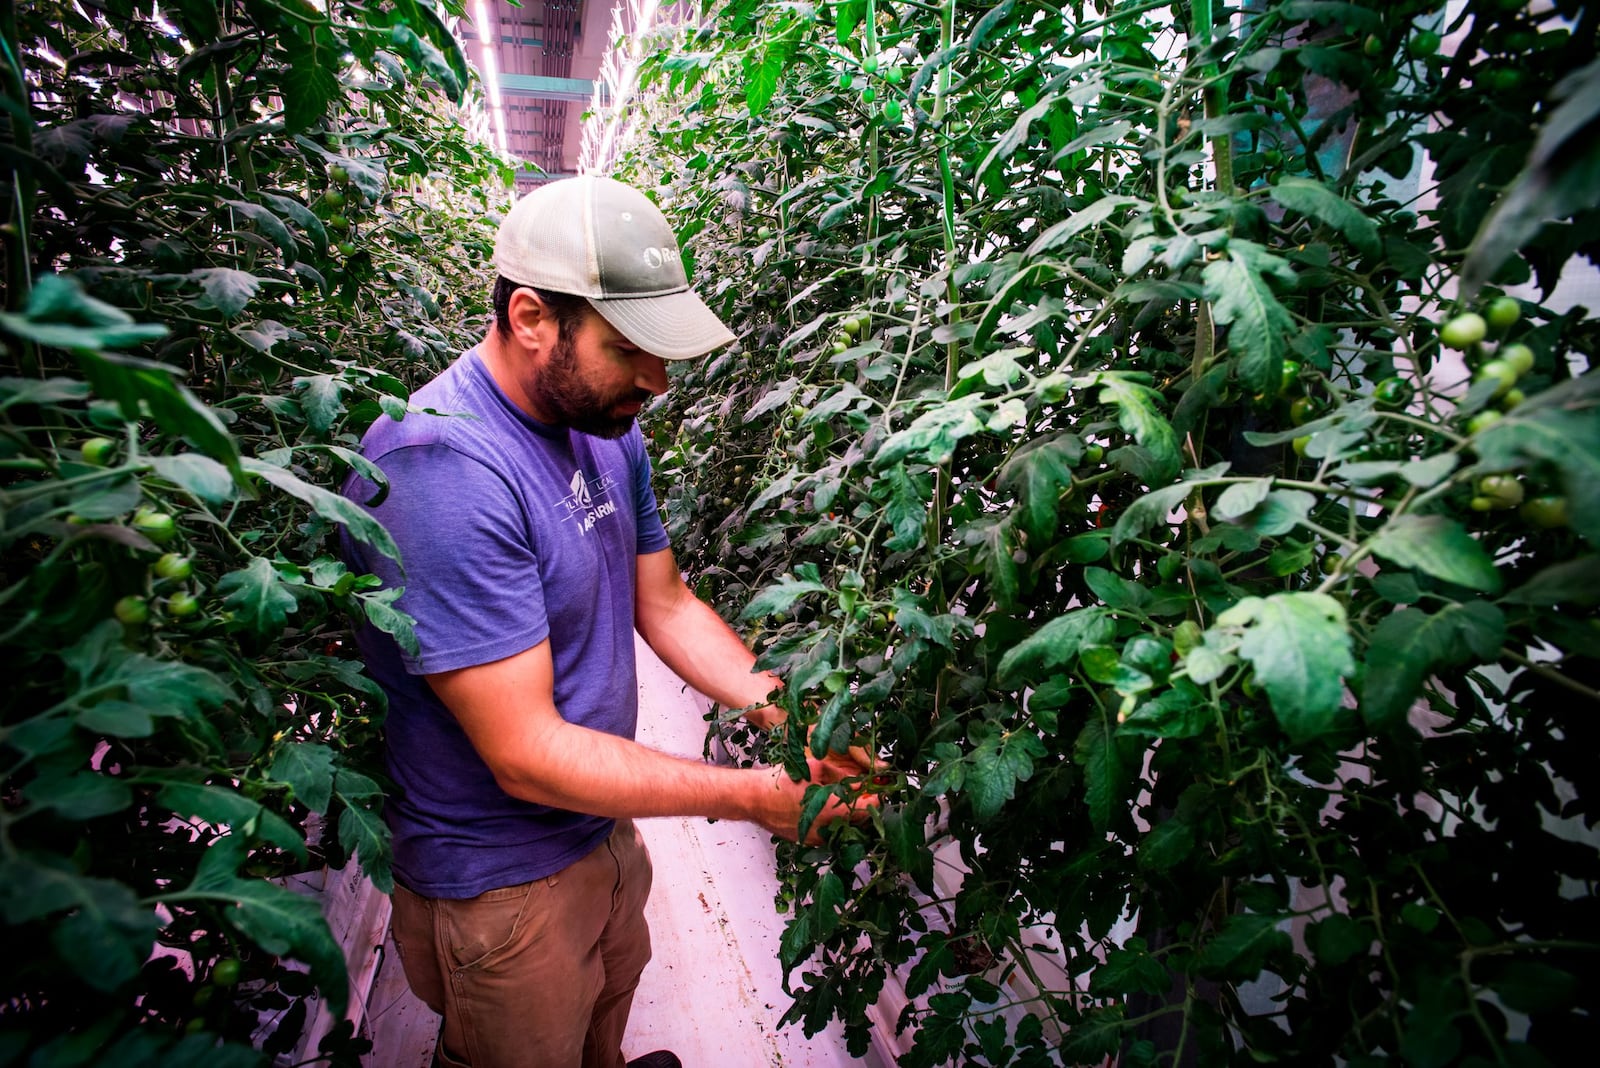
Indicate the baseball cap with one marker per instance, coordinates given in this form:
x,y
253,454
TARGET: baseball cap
x,y
597,238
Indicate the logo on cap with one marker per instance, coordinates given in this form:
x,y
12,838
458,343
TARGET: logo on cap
x,y
657,258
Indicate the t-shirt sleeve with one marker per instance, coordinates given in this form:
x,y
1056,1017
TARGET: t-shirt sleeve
x,y
471,577
652,534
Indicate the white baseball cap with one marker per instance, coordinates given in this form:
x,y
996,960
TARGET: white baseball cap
x,y
599,239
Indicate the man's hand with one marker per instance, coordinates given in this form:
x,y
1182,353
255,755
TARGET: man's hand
x,y
783,798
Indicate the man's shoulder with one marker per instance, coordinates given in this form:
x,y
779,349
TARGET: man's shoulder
x,y
445,411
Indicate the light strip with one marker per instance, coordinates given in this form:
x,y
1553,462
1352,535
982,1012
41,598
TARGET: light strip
x,y
491,72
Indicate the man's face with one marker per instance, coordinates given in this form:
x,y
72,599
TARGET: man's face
x,y
594,380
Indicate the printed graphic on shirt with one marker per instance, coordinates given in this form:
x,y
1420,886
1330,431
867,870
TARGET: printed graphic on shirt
x,y
589,502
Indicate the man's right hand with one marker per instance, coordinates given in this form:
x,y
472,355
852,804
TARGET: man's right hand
x,y
781,798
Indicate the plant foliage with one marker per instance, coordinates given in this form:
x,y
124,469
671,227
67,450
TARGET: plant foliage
x,y
233,236
1106,453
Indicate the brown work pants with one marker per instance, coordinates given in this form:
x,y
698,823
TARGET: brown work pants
x,y
539,975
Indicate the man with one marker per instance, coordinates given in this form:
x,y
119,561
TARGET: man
x,y
532,548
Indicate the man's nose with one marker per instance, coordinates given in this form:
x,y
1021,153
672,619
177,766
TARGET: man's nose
x,y
651,374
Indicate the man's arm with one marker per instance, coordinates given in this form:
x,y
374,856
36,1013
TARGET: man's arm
x,y
508,710
692,640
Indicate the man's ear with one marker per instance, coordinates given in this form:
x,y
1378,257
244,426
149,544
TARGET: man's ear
x,y
533,322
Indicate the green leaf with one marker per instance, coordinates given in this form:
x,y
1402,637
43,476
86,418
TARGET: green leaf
x,y
999,762
321,400
364,835
1570,582
907,511
329,505
307,768
61,315
1039,472
1567,439
1340,938
225,289
223,807
143,387
1130,970
1560,179
202,476
1242,947
1138,413
1056,643
1317,201
1437,546
257,596
932,437
81,795
1410,644
1299,645
1259,326
1106,775
311,82
286,923
107,934
270,226
1534,987
780,597
378,606
1181,712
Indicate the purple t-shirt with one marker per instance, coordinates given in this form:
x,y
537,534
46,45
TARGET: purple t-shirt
x,y
510,532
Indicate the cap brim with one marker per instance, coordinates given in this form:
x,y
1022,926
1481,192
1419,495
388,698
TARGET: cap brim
x,y
674,326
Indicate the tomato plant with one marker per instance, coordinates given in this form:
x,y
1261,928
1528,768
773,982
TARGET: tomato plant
x,y
1211,738
188,362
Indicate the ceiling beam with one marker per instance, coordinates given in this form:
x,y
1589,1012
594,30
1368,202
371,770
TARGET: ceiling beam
x,y
579,89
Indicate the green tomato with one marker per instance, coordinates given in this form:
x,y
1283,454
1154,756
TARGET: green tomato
x,y
174,566
764,232
1291,376
1512,398
1503,312
338,175
891,111
97,451
1483,421
1466,329
131,610
1518,356
1303,410
869,94
894,75
1504,490
1393,392
347,249
1482,504
226,971
847,80
182,605
1331,562
841,347
851,326
1500,372
1185,636
334,199
338,222
1093,454
1299,444
870,64
159,527
1425,43
1372,47
1547,512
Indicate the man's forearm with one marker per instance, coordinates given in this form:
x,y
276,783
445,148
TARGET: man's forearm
x,y
705,652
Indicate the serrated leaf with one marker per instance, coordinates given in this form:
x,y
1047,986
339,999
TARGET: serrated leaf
x,y
269,225
995,767
1409,645
202,476
780,597
363,834
307,768
310,84
932,437
1299,646
320,399
1569,582
1056,643
907,511
1165,847
1139,414
1242,947
379,608
1038,473
1317,201
329,505
225,289
1259,326
257,596
81,795
1437,546
1106,776
288,924
223,807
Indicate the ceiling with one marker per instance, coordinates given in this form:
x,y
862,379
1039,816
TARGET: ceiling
x,y
539,62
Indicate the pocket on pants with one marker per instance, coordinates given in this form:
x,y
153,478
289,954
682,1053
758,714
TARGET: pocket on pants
x,y
479,928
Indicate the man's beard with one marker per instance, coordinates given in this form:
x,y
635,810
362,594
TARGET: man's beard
x,y
562,394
